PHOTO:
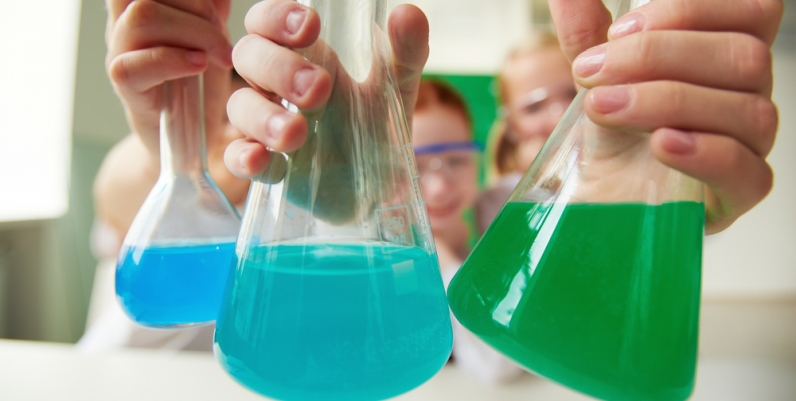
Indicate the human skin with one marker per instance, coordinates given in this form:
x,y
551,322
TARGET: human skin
x,y
446,197
151,42
522,75
696,74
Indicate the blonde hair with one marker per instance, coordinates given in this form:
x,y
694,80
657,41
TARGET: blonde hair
x,y
532,44
501,150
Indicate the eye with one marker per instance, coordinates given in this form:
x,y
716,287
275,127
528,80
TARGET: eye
x,y
532,108
458,161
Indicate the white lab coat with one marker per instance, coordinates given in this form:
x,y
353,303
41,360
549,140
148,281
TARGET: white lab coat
x,y
109,327
473,355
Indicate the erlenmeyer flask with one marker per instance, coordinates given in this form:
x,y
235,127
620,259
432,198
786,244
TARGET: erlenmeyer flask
x,y
590,274
337,292
178,253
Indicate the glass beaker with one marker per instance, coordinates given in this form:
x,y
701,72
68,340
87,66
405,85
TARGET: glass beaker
x,y
590,274
177,255
337,292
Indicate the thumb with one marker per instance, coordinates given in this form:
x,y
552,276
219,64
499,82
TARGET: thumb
x,y
580,24
408,30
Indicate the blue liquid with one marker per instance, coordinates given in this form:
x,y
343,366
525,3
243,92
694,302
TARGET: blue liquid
x,y
334,322
173,286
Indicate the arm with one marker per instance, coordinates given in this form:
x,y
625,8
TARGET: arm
x,y
696,74
125,178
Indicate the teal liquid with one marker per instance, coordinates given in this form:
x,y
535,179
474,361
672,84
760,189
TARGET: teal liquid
x,y
165,286
602,298
334,322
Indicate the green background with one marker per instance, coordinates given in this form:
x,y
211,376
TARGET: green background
x,y
480,93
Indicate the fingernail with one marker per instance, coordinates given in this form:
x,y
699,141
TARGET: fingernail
x,y
610,99
243,156
626,25
295,19
303,79
590,62
277,124
196,57
678,142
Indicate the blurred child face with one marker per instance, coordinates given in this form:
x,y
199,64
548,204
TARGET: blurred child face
x,y
539,88
447,178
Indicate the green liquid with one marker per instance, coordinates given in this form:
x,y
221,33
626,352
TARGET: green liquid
x,y
602,298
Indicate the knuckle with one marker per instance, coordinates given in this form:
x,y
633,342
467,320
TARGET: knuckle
x,y
257,16
734,156
141,13
579,38
231,156
645,48
240,49
686,13
271,66
270,4
766,182
752,59
677,97
206,9
765,119
236,99
769,9
768,115
760,179
119,71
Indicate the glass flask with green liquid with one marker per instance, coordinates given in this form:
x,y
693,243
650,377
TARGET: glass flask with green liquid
x,y
337,293
590,274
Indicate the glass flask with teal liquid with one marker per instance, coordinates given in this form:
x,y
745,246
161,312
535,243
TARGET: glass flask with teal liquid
x,y
177,255
337,293
590,274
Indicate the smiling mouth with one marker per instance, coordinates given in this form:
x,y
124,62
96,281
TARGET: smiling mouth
x,y
438,212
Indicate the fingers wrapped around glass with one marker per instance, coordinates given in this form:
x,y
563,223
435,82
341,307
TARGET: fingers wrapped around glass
x,y
590,274
337,293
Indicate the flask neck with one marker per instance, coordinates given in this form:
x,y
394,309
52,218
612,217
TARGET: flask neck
x,y
347,28
182,131
624,6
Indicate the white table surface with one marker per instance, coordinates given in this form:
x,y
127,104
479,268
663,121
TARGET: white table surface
x,y
54,372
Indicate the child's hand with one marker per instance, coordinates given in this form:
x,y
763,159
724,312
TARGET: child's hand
x,y
697,74
266,60
150,42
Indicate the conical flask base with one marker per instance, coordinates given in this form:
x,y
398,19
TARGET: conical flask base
x,y
174,286
353,322
602,298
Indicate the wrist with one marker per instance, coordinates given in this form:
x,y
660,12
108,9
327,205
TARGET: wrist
x,y
233,187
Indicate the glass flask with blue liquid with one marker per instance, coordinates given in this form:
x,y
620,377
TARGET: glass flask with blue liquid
x,y
178,253
337,292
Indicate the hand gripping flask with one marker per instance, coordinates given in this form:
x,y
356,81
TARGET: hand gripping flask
x,y
337,293
178,253
590,274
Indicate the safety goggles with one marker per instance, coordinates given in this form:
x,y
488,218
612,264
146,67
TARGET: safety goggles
x,y
552,99
451,160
